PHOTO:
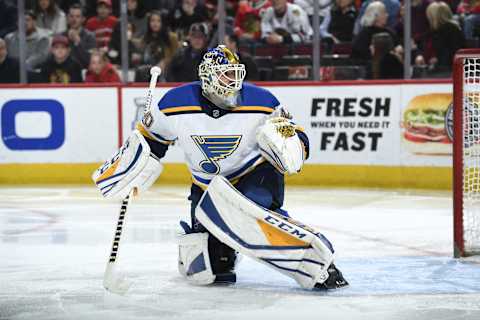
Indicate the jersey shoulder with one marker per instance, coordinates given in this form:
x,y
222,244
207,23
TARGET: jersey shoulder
x,y
256,96
182,99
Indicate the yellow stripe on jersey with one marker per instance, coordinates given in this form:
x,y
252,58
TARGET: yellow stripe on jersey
x,y
254,108
299,128
181,109
144,131
148,135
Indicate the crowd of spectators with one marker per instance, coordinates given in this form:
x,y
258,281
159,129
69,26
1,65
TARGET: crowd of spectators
x,y
80,40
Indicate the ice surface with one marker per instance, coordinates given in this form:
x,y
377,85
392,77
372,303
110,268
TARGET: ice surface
x,y
393,247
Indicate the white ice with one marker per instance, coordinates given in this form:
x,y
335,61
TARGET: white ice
x,y
394,247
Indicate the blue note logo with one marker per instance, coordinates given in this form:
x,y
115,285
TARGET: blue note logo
x,y
215,148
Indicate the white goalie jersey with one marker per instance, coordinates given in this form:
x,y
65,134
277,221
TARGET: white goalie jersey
x,y
216,141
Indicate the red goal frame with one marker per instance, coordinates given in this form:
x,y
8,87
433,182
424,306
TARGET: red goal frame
x,y
459,249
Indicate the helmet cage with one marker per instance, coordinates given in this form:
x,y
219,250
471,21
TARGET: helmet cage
x,y
221,80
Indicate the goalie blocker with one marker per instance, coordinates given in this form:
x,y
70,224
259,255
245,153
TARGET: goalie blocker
x,y
281,243
132,166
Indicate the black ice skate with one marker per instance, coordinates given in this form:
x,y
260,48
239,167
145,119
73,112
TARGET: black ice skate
x,y
335,279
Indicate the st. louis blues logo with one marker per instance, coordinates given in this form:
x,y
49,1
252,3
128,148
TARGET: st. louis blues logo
x,y
215,148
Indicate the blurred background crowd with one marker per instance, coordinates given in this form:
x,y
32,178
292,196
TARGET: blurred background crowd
x,y
71,41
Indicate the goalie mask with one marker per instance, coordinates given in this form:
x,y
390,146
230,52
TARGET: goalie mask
x,y
221,74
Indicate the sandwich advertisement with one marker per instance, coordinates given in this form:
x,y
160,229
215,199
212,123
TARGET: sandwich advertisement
x,y
425,124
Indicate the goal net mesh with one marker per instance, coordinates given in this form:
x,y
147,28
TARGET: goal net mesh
x,y
471,155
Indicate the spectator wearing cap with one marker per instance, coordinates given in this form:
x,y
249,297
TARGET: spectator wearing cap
x,y
285,23
185,14
50,16
184,65
9,69
60,67
159,44
37,42
81,40
100,70
103,23
231,42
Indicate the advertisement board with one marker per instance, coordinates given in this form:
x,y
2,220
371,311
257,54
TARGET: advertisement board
x,y
388,134
365,124
58,125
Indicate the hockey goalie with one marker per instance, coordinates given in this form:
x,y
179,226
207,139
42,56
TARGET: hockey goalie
x,y
239,142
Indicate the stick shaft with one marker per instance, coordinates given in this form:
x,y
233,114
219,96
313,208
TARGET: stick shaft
x,y
151,87
119,228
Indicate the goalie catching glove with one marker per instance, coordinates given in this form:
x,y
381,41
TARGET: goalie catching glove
x,y
280,145
132,166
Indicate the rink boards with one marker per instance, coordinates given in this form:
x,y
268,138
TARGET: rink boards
x,y
57,134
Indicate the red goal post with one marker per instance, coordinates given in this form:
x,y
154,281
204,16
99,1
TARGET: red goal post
x,y
466,152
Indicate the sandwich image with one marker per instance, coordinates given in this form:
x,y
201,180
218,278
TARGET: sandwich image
x,y
424,124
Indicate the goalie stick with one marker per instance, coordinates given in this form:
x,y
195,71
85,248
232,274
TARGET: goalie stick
x,y
112,281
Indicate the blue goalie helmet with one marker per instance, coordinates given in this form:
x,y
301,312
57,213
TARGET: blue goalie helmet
x,y
221,75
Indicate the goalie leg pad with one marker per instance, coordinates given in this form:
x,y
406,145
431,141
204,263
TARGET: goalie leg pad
x,y
266,236
130,167
193,258
201,262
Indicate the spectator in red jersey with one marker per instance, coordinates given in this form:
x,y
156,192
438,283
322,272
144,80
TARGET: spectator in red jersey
x,y
60,67
50,16
103,23
100,70
248,20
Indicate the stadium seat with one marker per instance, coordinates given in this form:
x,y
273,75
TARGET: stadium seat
x,y
295,60
342,48
342,72
335,60
274,51
265,67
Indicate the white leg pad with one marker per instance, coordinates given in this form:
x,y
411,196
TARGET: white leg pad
x,y
282,243
193,258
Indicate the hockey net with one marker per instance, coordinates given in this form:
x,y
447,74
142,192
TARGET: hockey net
x,y
466,153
